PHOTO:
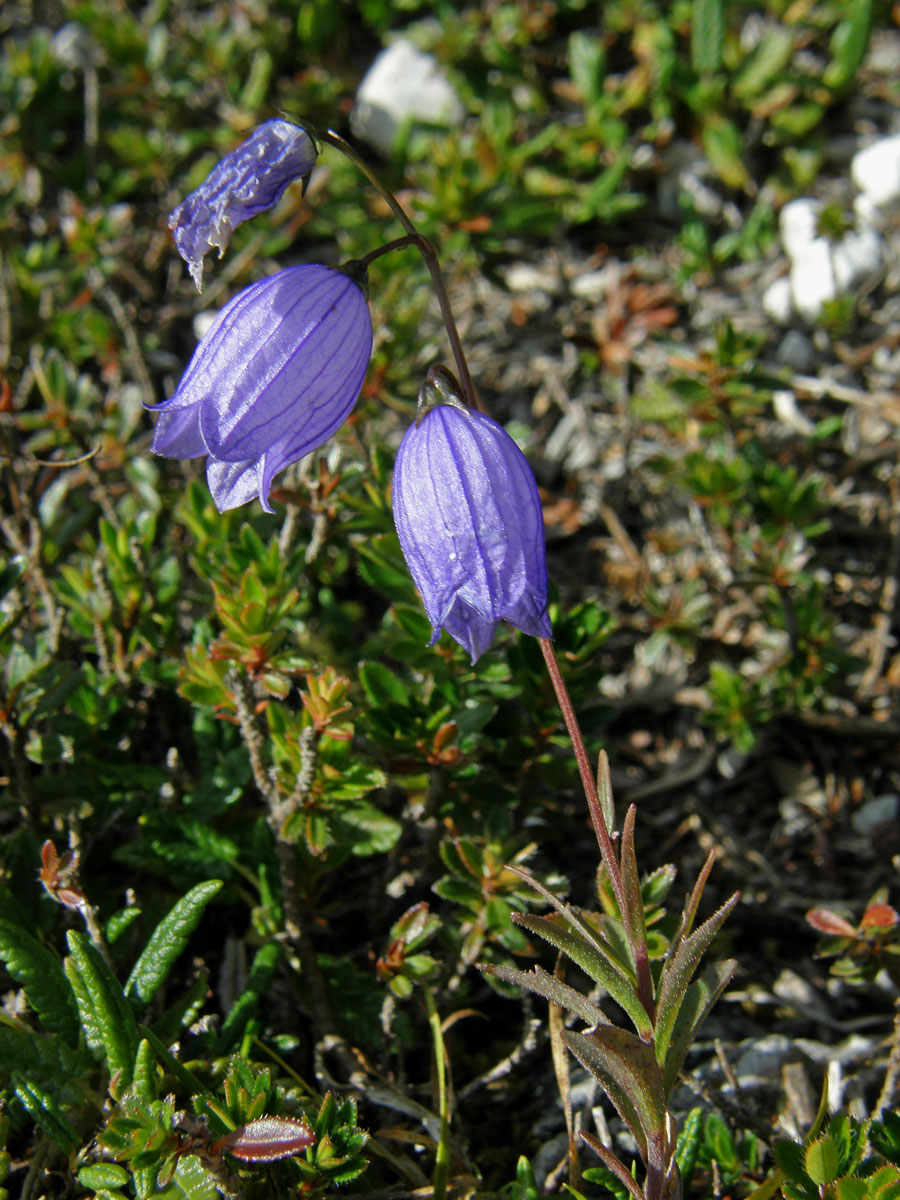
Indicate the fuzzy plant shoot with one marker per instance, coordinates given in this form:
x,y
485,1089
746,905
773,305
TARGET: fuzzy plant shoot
x,y
274,378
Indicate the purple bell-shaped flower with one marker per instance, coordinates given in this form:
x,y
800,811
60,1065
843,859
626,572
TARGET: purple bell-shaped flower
x,y
277,372
469,519
248,180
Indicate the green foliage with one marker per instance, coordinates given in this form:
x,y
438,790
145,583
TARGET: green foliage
x,y
860,951
637,1071
835,1164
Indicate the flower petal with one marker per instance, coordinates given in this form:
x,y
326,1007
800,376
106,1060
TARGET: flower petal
x,y
233,484
283,362
177,434
248,180
469,519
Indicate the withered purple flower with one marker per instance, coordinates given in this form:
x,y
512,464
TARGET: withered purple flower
x,y
469,518
248,180
278,371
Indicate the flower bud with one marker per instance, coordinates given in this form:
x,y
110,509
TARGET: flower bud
x,y
469,519
277,372
248,180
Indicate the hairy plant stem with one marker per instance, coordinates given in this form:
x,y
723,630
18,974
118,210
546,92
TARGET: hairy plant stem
x,y
442,1156
426,249
588,782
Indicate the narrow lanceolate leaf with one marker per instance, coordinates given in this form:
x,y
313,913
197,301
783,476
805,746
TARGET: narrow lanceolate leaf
x,y
688,1145
144,1077
707,35
86,1016
677,974
617,955
39,971
542,984
699,999
110,1013
634,900
625,1067
612,1164
46,1113
167,942
691,905
593,964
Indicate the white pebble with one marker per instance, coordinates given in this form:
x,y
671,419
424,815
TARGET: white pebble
x,y
813,281
857,257
876,171
403,83
798,225
785,404
776,301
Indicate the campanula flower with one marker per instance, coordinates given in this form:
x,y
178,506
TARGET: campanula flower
x,y
277,372
248,180
469,518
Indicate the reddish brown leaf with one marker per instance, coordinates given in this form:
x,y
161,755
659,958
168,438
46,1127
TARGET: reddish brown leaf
x,y
267,1139
830,923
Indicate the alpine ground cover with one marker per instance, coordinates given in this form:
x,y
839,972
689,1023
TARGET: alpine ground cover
x,y
257,832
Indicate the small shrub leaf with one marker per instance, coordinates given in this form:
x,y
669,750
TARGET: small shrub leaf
x,y
110,1013
39,971
167,942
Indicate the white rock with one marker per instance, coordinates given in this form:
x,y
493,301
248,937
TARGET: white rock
x,y
868,214
784,402
876,171
857,256
813,281
776,301
592,285
798,225
403,83
524,277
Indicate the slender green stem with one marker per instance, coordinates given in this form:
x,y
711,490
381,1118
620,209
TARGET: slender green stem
x,y
607,850
442,1157
428,252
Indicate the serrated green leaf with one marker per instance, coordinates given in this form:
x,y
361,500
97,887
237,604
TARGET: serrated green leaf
x,y
625,1067
46,1113
543,984
699,999
821,1161
109,1011
677,973
790,1158
851,1189
614,947
166,943
39,971
592,962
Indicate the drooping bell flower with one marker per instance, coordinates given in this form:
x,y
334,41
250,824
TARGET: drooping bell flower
x,y
469,519
277,372
248,180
